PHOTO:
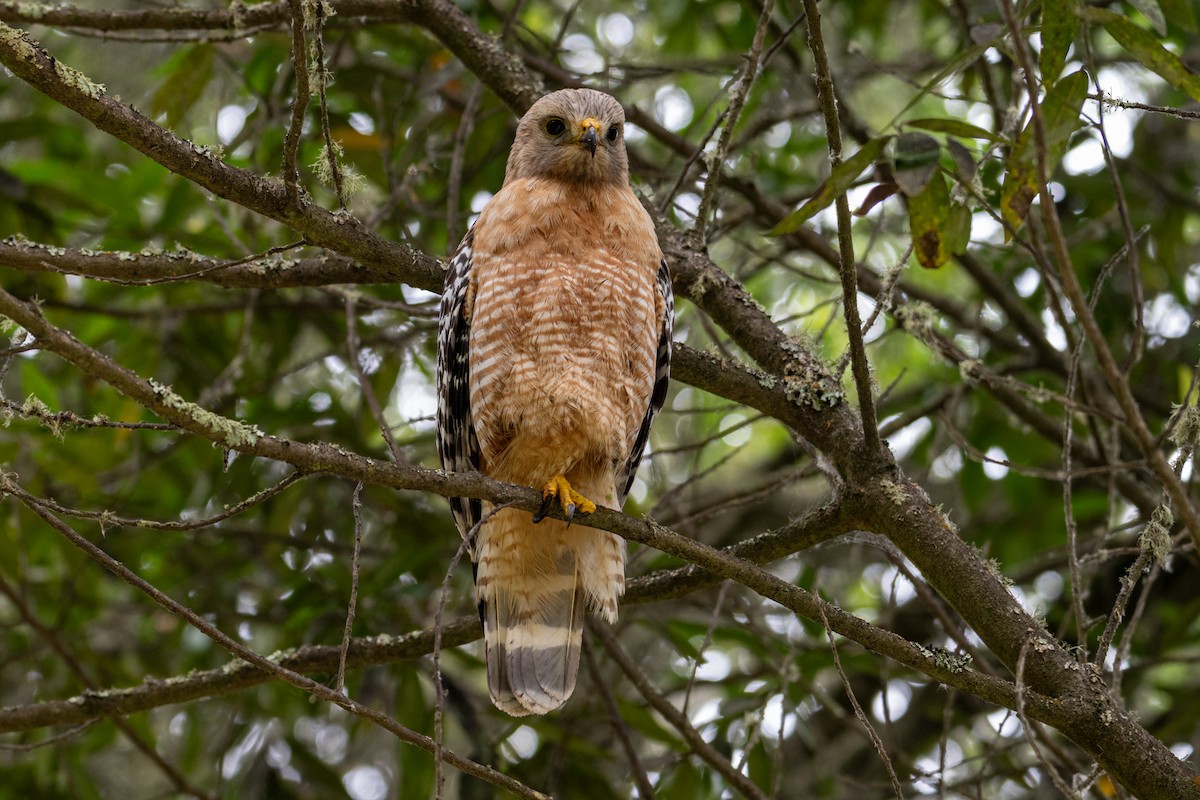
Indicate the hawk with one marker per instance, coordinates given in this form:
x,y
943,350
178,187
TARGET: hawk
x,y
554,349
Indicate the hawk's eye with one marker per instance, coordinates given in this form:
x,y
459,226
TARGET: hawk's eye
x,y
555,126
612,134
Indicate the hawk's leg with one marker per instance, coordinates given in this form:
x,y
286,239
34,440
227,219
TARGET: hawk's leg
x,y
570,500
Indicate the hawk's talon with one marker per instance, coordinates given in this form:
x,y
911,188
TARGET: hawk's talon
x,y
569,500
544,509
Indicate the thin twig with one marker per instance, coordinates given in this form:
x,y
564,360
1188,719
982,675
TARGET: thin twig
x,y
439,687
708,634
1137,347
669,196
624,735
224,384
207,271
1128,581
1068,477
858,711
1131,626
331,148
737,100
291,143
859,364
107,519
69,733
466,125
737,780
1028,729
1116,102
364,381
339,682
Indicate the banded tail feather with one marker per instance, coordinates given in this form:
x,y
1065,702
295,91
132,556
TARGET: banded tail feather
x,y
532,607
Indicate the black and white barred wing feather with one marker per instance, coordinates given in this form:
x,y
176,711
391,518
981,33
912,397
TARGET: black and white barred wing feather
x,y
458,448
662,377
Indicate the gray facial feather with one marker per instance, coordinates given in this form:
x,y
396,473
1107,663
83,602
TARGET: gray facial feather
x,y
542,153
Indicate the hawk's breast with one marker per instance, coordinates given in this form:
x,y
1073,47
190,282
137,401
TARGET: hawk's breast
x,y
564,328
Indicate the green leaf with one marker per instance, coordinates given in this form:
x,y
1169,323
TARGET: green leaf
x,y
964,160
954,127
1059,25
928,217
1143,46
914,159
874,197
187,75
1180,13
958,229
1152,12
1016,196
840,179
1060,118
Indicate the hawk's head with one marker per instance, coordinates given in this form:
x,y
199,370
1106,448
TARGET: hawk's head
x,y
571,135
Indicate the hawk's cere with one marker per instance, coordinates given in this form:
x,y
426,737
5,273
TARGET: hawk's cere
x,y
553,355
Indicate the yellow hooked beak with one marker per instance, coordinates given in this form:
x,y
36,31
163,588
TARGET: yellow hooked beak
x,y
589,134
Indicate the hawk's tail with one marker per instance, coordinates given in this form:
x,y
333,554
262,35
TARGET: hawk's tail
x,y
533,584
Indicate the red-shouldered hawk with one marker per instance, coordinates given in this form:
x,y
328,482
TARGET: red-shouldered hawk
x,y
554,350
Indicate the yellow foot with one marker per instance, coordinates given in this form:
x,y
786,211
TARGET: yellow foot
x,y
570,500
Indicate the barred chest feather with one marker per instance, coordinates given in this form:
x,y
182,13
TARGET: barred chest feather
x,y
564,319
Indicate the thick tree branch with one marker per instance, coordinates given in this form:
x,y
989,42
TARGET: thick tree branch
x,y
238,17
141,268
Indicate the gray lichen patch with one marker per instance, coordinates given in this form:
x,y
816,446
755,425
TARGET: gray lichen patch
x,y
77,80
30,50
34,407
765,380
971,370
1185,430
894,492
231,433
20,41
951,662
271,266
701,285
917,317
32,11
808,382
1156,537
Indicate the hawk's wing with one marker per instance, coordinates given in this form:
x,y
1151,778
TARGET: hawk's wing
x,y
458,448
662,375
